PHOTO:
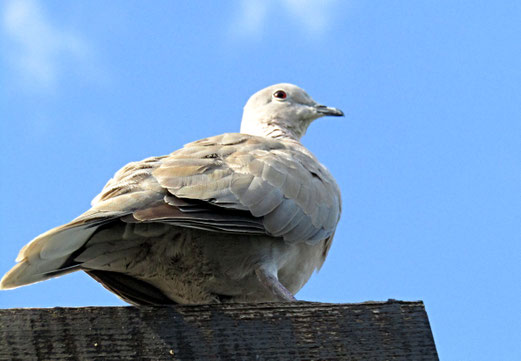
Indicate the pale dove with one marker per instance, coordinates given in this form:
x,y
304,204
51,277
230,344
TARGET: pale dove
x,y
238,217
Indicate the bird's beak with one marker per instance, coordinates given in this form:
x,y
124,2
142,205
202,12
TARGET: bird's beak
x,y
324,110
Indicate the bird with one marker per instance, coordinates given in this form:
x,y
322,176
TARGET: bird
x,y
237,217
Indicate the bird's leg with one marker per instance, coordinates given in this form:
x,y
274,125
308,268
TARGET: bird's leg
x,y
272,284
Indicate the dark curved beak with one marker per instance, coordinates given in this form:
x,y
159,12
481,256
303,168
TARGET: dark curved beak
x,y
324,110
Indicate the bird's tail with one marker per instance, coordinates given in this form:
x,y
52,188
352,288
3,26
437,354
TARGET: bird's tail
x,y
48,254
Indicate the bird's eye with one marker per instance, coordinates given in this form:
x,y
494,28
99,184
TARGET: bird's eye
x,y
280,94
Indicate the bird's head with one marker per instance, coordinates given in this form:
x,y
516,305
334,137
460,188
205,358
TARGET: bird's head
x,y
282,111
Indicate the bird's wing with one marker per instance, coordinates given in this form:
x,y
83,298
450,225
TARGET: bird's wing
x,y
233,183
277,185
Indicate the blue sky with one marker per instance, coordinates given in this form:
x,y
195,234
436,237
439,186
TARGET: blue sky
x,y
428,157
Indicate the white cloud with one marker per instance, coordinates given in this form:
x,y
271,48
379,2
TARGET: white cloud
x,y
252,15
37,48
312,15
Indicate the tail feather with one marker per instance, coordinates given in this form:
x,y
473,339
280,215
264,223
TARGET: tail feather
x,y
61,239
59,244
25,272
44,256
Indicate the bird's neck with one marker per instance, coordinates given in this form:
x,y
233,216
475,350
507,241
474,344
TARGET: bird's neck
x,y
273,128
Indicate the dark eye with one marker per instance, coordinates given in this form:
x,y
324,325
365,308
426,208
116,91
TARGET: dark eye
x,y
280,94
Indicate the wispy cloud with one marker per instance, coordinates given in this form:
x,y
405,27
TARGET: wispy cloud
x,y
35,47
313,16
251,16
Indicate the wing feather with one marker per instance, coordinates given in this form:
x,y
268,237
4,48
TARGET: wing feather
x,y
280,182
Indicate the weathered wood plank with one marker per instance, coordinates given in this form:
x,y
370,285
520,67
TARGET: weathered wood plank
x,y
392,330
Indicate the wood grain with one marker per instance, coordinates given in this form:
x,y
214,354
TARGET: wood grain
x,y
392,330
